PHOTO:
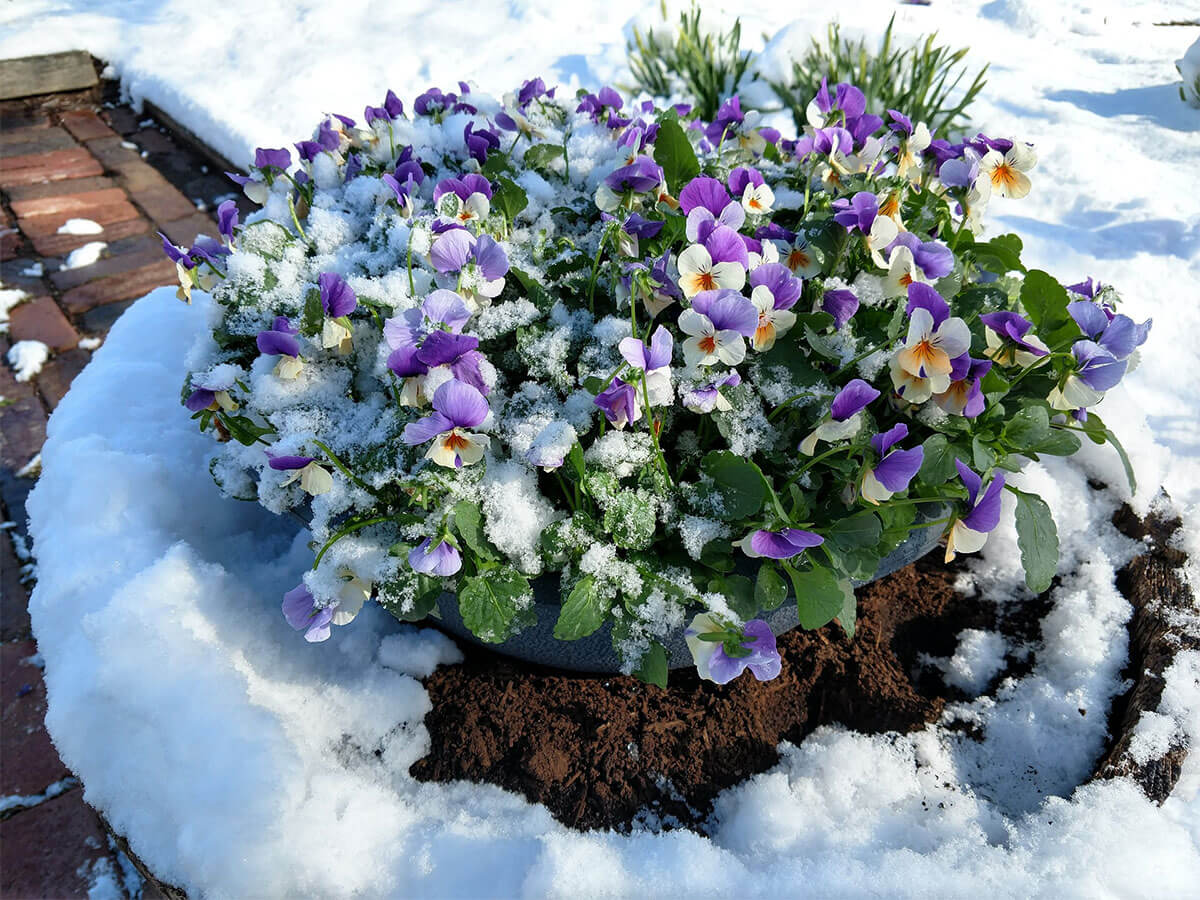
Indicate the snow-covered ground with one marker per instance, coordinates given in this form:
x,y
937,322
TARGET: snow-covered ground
x,y
240,762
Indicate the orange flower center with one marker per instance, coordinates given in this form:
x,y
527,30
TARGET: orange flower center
x,y
1005,175
924,353
708,343
455,441
797,259
891,206
906,279
706,281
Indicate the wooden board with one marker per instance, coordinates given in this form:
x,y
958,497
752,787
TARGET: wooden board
x,y
49,74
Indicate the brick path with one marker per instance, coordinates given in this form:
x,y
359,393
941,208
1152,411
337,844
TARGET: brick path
x,y
61,158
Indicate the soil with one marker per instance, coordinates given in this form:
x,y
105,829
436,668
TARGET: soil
x,y
606,751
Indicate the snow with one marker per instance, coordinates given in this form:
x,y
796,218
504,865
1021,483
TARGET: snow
x,y
9,298
85,255
80,226
143,568
27,358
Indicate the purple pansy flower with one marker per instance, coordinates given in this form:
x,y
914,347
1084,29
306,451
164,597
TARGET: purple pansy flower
x,y
1096,371
457,406
784,544
279,339
843,420
895,468
969,533
841,304
643,228
654,362
460,352
1119,335
716,324
480,142
707,397
639,176
714,664
227,219
931,259
964,396
1009,341
440,308
392,109
778,279
442,559
620,403
856,213
1088,288
337,297
303,614
707,204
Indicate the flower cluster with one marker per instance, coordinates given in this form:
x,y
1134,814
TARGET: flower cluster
x,y
684,368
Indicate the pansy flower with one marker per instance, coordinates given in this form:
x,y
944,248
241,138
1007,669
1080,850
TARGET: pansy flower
x,y
302,613
641,176
788,543
1119,335
845,415
441,310
620,402
441,558
454,248
970,532
755,641
803,260
605,101
1009,341
267,162
775,291
1095,371
934,339
280,340
338,301
211,391
227,220
706,397
457,352
894,468
469,198
392,109
654,362
861,213
914,261
705,200
964,397
552,444
314,479
841,304
719,262
457,407
914,141
716,325
1005,171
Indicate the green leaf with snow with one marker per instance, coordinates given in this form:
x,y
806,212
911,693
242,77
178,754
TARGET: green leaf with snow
x,y
1037,537
630,519
583,612
739,484
468,522
497,605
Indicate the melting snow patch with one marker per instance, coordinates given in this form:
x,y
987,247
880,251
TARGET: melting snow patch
x,y
85,255
27,358
80,226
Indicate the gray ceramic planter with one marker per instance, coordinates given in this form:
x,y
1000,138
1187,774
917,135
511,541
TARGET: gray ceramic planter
x,y
594,653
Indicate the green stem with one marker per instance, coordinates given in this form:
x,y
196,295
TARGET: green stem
x,y
341,533
662,460
296,219
338,463
910,501
596,271
833,451
411,288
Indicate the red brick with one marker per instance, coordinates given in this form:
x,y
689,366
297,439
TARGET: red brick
x,y
55,166
119,287
112,153
86,125
76,204
56,188
41,320
14,598
56,376
104,214
22,422
184,231
29,763
146,250
52,849
34,141
10,244
15,134
62,244
137,175
163,204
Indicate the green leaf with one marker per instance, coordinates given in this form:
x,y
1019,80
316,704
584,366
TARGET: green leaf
x,y
1028,428
739,484
1038,539
1112,439
1095,428
857,562
820,594
821,345
738,591
717,555
653,667
938,465
540,156
1058,443
982,456
630,520
769,588
243,429
848,616
583,612
509,198
859,530
537,294
495,164
411,596
575,460
1001,255
1045,300
497,605
791,357
468,522
313,319
673,151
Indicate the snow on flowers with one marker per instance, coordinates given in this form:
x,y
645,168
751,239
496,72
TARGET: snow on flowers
x,y
500,341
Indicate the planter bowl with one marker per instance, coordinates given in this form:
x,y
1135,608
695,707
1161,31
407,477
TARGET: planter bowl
x,y
595,653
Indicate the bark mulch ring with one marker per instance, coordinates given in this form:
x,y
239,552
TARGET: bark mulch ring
x,y
609,752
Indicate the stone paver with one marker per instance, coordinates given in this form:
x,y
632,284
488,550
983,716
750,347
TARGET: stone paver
x,y
40,319
69,163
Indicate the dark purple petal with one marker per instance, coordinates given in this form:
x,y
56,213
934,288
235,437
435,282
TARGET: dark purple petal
x,y
268,158
901,124
925,297
337,299
986,514
852,399
443,347
426,429
841,304
882,443
286,463
175,254
742,176
403,361
641,175
619,402
784,544
703,192
200,398
227,218
969,478
1097,368
643,228
299,607
468,370
898,468
726,245
277,343
764,661
461,404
